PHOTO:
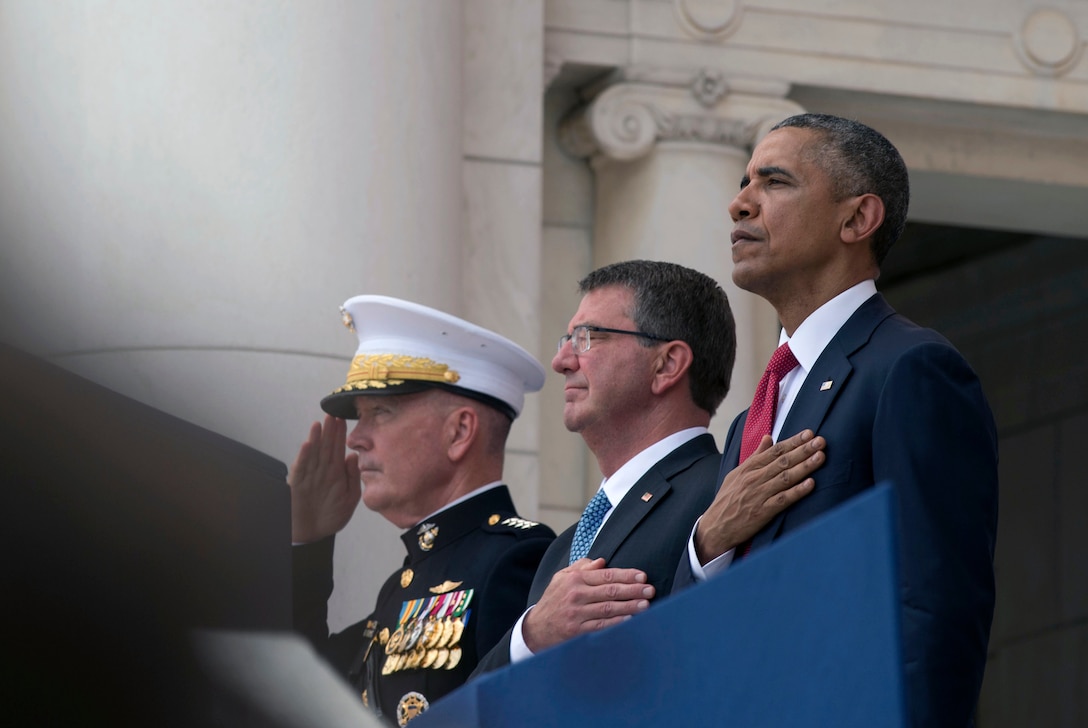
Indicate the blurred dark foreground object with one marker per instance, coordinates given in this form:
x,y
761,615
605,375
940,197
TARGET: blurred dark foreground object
x,y
125,529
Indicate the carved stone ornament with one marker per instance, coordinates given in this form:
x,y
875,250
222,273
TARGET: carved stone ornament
x,y
709,87
625,120
710,20
1049,42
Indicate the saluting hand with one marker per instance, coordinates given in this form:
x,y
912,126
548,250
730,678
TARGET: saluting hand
x,y
325,485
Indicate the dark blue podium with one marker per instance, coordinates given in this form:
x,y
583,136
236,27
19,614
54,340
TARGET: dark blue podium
x,y
803,633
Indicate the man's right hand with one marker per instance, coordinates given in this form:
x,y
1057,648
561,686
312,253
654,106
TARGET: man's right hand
x,y
771,480
325,485
584,597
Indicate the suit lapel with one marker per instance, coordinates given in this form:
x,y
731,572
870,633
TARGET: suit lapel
x,y
829,376
645,494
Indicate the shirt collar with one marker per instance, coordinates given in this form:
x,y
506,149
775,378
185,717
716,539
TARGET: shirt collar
x,y
462,499
816,331
631,472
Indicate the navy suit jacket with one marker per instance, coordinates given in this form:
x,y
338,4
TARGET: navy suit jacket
x,y
896,402
647,533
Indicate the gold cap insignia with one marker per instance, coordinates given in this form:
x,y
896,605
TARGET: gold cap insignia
x,y
378,371
345,316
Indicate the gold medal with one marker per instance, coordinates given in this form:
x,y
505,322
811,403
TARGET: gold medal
x,y
407,644
393,645
429,659
383,636
447,632
458,630
430,628
455,657
441,658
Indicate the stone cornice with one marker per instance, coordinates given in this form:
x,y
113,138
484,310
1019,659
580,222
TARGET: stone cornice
x,y
631,110
994,52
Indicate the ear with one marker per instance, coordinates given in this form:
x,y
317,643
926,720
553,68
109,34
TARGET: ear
x,y
461,428
672,365
866,214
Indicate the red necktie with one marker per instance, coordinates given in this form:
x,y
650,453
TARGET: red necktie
x,y
760,420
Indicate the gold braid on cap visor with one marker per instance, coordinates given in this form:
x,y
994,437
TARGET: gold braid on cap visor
x,y
378,371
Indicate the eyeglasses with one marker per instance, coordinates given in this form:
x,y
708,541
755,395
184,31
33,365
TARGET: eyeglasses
x,y
580,338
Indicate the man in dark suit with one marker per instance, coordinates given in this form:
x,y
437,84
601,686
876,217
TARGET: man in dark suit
x,y
434,398
646,363
821,203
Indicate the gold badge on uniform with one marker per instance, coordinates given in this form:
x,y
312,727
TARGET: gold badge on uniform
x,y
427,534
445,586
410,706
406,577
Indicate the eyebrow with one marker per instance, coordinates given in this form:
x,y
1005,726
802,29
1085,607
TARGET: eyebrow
x,y
766,172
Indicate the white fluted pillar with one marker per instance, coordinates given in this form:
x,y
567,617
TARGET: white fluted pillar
x,y
189,190
668,150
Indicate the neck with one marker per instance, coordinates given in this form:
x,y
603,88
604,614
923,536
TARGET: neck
x,y
614,446
463,481
794,308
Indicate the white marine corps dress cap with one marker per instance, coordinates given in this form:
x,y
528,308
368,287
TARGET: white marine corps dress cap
x,y
406,347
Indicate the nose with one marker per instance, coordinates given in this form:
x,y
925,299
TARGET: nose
x,y
565,359
359,438
742,206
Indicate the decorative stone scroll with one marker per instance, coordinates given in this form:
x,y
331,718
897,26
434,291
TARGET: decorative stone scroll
x,y
639,107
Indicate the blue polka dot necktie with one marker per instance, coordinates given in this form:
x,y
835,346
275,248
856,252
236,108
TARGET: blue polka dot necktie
x,y
588,525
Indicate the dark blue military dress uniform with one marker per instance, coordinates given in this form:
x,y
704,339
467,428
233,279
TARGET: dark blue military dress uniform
x,y
464,583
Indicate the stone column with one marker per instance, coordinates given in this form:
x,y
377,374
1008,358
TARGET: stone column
x,y
189,190
668,150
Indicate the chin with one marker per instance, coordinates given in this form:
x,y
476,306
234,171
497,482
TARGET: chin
x,y
572,423
744,278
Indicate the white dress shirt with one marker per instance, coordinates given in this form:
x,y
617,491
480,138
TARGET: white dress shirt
x,y
615,487
807,343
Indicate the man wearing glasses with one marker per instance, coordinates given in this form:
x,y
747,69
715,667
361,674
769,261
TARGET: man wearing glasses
x,y
646,362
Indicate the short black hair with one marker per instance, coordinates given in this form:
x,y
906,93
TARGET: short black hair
x,y
860,160
683,304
